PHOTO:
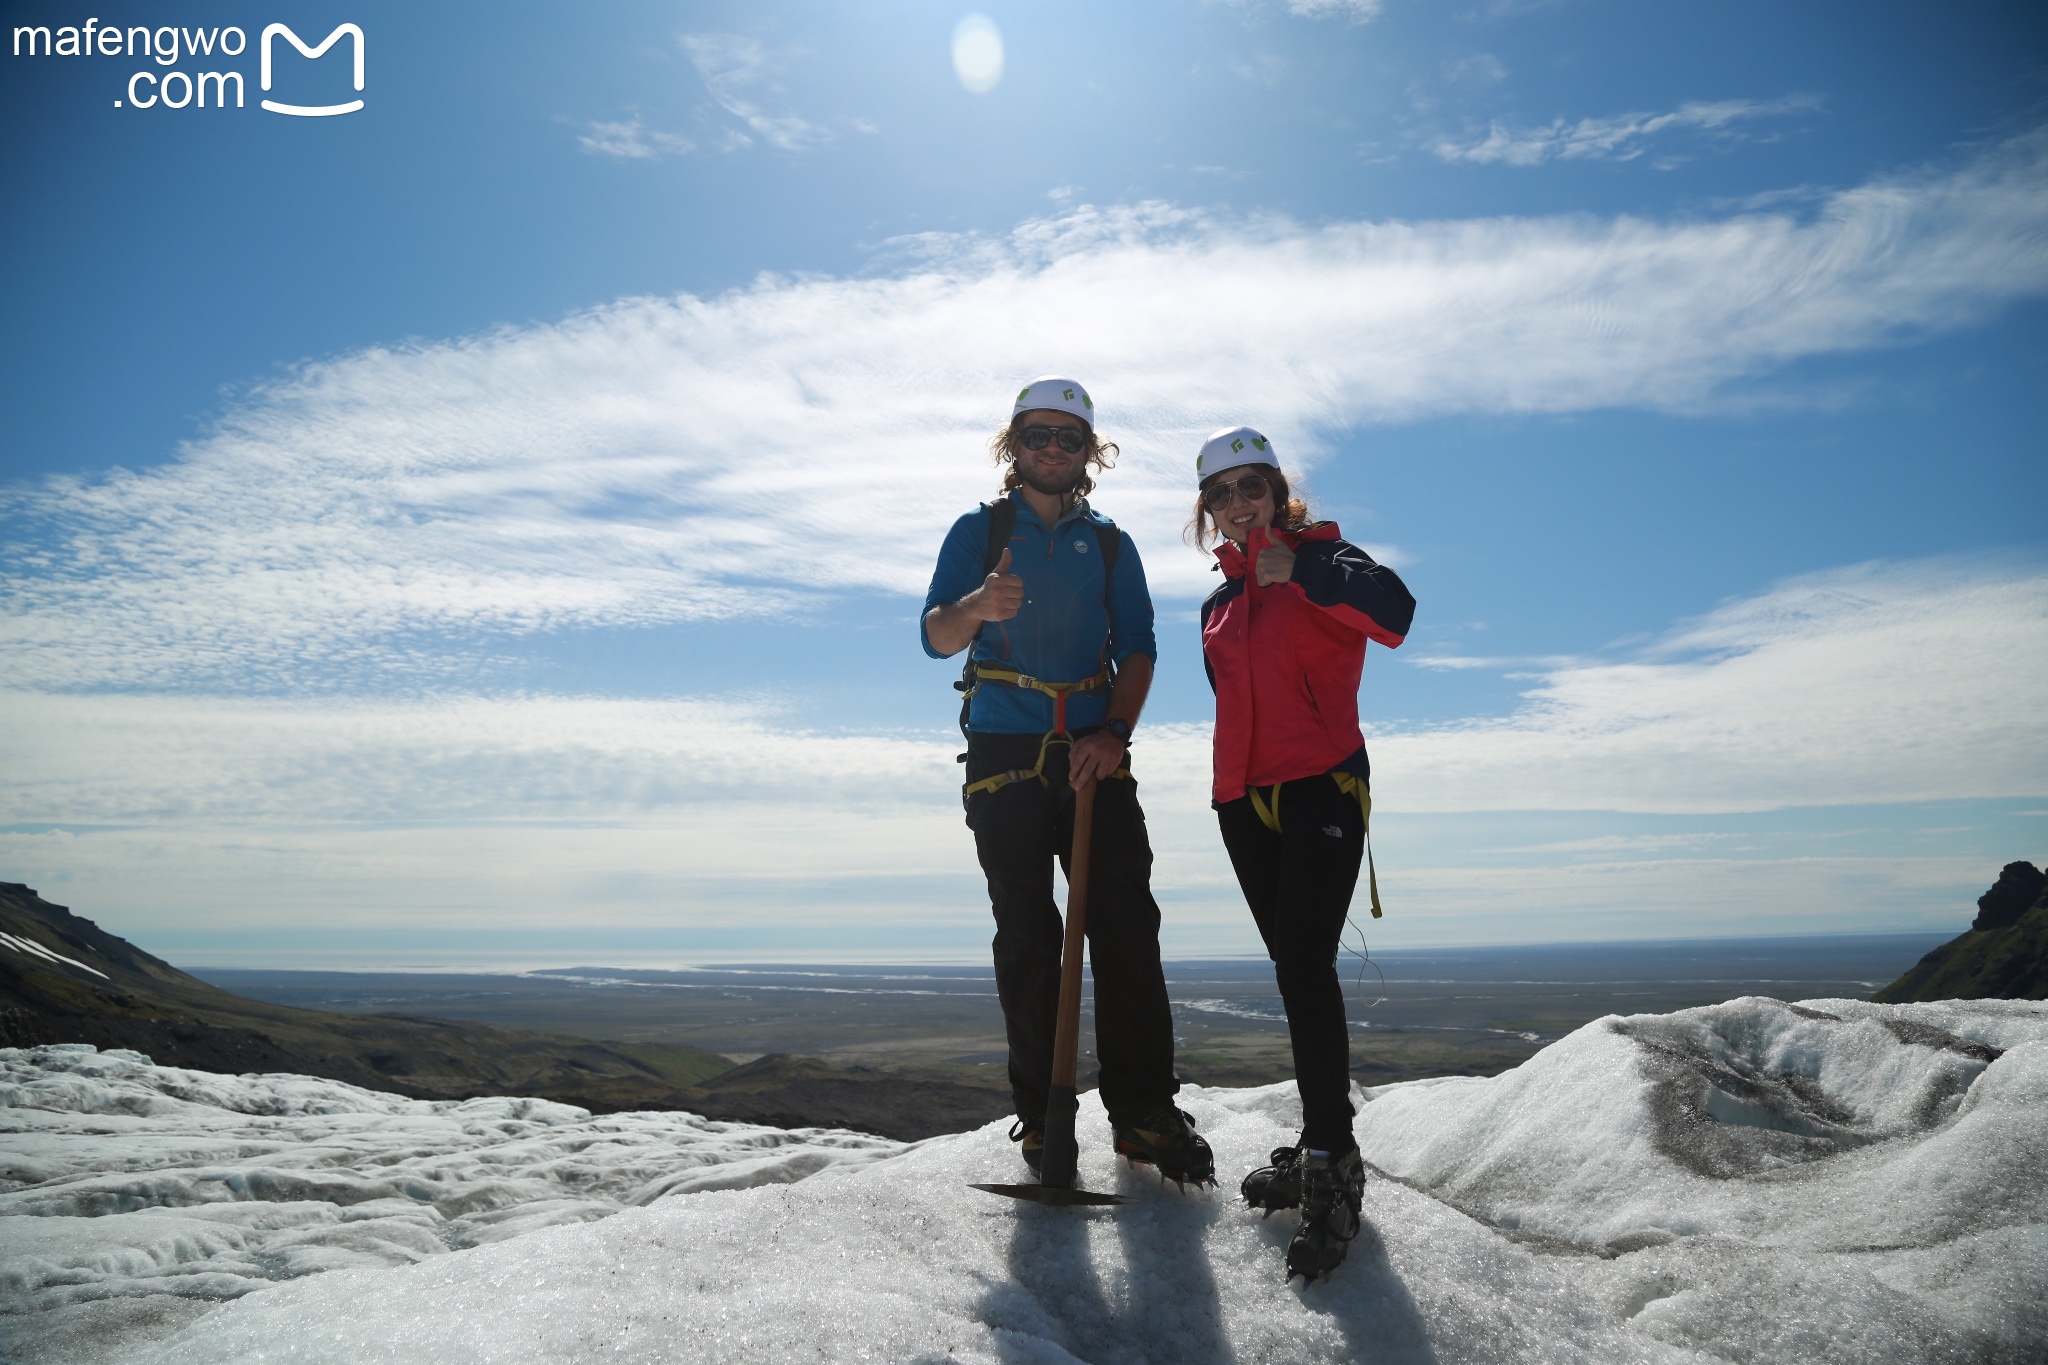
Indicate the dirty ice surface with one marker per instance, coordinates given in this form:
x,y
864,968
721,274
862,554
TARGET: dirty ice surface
x,y
1753,1181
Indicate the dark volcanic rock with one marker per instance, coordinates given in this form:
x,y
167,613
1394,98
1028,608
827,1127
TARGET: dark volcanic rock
x,y
2017,888
2004,956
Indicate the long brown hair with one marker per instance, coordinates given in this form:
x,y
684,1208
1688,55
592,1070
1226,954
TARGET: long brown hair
x,y
1006,445
1290,513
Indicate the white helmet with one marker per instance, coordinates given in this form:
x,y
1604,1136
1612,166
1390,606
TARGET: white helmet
x,y
1231,447
1061,395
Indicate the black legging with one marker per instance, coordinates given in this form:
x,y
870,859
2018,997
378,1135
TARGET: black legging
x,y
1298,883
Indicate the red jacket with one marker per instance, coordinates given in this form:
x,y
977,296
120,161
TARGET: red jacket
x,y
1285,660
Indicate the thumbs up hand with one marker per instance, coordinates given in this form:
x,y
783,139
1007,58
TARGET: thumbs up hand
x,y
1273,562
1001,594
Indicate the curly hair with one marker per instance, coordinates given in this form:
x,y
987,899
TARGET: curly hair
x,y
1006,445
1290,513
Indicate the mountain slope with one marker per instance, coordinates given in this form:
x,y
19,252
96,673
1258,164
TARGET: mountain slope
x,y
2002,956
63,979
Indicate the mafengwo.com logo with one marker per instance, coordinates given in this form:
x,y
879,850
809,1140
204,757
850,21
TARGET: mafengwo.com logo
x,y
170,51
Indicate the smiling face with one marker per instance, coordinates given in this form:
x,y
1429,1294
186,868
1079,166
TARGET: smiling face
x,y
1051,471
1241,515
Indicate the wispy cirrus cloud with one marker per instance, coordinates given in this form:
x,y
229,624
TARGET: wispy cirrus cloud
x,y
1354,11
1623,137
743,77
358,516
633,140
1357,11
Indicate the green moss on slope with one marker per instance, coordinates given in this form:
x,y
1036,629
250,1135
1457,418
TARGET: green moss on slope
x,y
2008,960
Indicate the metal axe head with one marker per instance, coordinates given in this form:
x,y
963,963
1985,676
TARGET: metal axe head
x,y
1056,1195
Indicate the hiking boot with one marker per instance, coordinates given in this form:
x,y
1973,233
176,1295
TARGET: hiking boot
x,y
1166,1139
1277,1186
1332,1188
1030,1132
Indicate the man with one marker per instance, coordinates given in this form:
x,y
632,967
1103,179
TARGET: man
x,y
1051,597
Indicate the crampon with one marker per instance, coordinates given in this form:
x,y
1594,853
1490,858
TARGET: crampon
x,y
1167,1141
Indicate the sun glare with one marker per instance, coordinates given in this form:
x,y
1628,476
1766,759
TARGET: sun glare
x,y
978,53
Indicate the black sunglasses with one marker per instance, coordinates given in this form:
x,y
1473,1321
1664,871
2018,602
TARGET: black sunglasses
x,y
1216,496
1038,438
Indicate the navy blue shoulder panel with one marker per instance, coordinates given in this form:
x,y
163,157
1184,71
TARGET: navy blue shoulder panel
x,y
1227,589
1336,573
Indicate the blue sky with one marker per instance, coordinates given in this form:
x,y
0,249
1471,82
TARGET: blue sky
x,y
488,525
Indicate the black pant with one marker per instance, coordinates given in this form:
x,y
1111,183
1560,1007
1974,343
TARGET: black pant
x,y
1018,831
1298,883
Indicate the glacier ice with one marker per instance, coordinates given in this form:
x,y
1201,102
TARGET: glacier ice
x,y
1752,1181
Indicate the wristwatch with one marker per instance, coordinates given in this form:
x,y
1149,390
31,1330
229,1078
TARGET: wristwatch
x,y
1120,728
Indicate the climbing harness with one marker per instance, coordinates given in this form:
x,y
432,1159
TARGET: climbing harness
x,y
976,675
985,674
1352,785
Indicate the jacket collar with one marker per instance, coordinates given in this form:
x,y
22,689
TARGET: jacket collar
x,y
1025,509
1234,561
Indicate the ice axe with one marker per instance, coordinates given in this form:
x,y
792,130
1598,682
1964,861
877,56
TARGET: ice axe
x,y
1056,1172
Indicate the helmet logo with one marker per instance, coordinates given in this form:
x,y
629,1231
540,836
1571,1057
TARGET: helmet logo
x,y
1236,446
1022,392
1259,442
1068,394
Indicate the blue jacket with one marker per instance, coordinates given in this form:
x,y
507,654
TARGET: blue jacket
x,y
1065,631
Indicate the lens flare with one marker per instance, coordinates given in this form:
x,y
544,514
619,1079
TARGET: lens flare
x,y
978,53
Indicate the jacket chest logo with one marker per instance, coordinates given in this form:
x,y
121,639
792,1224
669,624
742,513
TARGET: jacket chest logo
x,y
1080,547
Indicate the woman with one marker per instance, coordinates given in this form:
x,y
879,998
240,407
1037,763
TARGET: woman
x,y
1284,643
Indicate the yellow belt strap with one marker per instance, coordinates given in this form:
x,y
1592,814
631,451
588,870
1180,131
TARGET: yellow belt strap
x,y
1037,770
1011,677
1268,810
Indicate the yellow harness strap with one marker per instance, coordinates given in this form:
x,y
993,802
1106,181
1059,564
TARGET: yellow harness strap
x,y
1059,692
1268,811
1037,770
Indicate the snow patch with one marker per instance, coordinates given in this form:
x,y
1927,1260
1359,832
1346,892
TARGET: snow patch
x,y
35,949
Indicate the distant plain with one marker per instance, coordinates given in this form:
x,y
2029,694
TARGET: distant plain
x,y
1465,1011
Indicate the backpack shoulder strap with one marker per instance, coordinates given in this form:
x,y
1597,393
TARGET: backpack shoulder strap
x,y
1111,540
1002,520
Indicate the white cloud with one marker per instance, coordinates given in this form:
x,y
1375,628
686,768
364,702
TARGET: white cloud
x,y
742,77
346,521
633,140
1357,11
1621,138
1353,11
1875,685
1870,685
1476,71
